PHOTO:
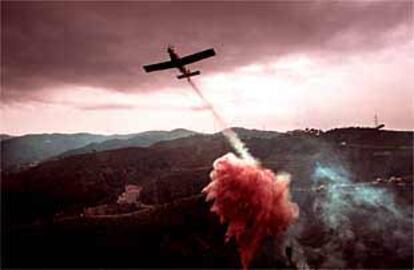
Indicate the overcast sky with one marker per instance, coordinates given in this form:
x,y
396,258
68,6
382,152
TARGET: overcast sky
x,y
77,66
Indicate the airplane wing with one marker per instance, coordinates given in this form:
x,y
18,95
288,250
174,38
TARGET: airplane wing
x,y
197,56
159,66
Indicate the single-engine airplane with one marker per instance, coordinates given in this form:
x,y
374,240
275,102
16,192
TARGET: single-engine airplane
x,y
180,62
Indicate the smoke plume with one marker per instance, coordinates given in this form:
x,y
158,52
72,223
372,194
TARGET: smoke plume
x,y
251,199
343,197
350,224
231,136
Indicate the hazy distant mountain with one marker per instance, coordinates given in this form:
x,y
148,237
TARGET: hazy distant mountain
x,y
28,149
5,137
34,148
143,139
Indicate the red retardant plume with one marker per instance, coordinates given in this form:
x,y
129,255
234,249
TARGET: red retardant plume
x,y
252,200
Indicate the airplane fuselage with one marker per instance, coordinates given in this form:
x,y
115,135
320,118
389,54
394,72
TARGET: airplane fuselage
x,y
175,59
180,62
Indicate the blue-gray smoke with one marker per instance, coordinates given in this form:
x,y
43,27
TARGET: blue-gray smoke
x,y
343,199
357,224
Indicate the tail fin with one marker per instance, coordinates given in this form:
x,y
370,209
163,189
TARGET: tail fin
x,y
195,73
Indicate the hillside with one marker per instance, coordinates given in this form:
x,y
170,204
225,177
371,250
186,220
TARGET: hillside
x,y
99,176
172,172
4,137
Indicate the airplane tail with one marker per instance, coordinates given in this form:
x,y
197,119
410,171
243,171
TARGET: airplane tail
x,y
194,73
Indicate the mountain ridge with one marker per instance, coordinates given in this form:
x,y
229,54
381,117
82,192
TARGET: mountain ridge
x,y
28,150
143,139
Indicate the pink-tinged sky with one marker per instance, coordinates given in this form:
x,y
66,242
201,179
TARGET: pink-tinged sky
x,y
76,67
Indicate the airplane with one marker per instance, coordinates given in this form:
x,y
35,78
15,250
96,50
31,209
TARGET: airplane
x,y
180,62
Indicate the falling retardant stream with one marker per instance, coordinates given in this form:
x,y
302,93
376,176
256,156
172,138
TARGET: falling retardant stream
x,y
252,200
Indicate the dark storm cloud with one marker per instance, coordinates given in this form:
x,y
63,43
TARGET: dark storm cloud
x,y
48,45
